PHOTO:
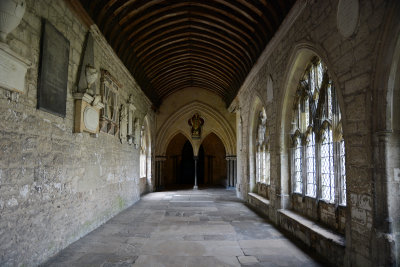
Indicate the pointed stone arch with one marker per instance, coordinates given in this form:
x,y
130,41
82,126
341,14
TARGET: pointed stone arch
x,y
177,122
298,61
386,142
257,105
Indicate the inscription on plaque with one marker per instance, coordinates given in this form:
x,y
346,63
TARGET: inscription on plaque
x,y
347,17
53,76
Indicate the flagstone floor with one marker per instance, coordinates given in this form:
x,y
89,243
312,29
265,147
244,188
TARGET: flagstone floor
x,y
208,227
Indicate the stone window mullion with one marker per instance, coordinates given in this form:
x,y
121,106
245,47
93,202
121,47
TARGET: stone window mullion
x,y
318,169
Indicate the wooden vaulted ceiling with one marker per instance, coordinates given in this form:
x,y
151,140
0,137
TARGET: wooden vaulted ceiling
x,y
169,45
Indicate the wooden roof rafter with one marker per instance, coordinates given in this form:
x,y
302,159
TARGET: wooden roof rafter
x,y
169,45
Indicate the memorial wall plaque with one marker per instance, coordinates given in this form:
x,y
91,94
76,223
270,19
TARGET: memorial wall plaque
x,y
53,71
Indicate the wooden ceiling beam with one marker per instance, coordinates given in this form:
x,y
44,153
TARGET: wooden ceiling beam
x,y
190,70
167,68
171,44
164,31
190,56
192,85
189,81
158,44
195,49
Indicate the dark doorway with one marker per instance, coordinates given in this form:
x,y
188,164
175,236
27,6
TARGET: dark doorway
x,y
200,166
187,165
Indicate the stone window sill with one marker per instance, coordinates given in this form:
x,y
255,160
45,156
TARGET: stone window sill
x,y
314,227
260,198
260,203
340,206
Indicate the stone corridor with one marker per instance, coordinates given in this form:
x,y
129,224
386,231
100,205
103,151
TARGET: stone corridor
x,y
209,227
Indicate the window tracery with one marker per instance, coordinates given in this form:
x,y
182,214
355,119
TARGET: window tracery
x,y
318,147
143,149
262,150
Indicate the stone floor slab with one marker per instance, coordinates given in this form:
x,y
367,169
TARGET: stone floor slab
x,y
185,228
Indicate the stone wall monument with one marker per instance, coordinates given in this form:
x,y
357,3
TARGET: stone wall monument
x,y
87,102
13,67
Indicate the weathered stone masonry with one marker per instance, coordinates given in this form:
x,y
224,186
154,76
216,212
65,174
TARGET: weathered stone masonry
x,y
55,185
354,64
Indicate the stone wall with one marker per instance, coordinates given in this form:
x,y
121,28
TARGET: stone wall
x,y
311,29
56,185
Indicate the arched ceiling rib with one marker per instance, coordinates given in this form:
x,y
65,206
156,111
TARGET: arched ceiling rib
x,y
169,45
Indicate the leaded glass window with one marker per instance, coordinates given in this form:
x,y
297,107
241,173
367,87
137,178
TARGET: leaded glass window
x,y
327,175
264,166
262,153
298,181
258,163
343,172
143,149
318,148
267,167
310,162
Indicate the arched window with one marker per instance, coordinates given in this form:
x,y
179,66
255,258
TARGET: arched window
x,y
143,149
318,148
262,151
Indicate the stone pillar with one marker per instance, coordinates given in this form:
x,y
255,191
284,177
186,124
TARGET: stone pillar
x,y
159,172
228,169
234,172
386,238
196,158
231,171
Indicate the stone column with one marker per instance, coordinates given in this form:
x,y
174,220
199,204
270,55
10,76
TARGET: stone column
x,y
234,172
196,158
231,171
386,227
228,171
